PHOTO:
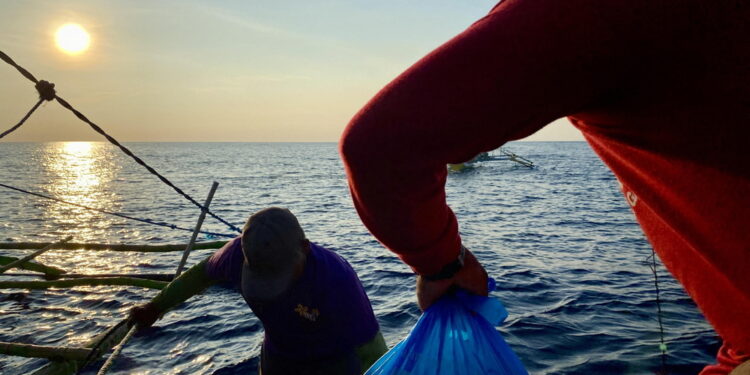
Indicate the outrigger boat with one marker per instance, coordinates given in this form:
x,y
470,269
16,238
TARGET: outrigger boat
x,y
486,156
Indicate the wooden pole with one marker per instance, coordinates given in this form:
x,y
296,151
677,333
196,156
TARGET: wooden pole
x,y
111,247
39,351
197,229
33,255
92,281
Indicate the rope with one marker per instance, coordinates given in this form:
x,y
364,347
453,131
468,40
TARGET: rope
x,y
143,163
45,89
651,261
111,360
46,92
23,71
147,221
11,130
95,350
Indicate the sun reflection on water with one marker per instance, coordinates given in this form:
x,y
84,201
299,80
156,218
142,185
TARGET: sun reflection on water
x,y
79,174
82,173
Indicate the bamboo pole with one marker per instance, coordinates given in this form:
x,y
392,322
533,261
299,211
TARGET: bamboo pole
x,y
518,159
111,247
150,276
39,351
92,281
167,277
103,342
33,266
197,229
33,255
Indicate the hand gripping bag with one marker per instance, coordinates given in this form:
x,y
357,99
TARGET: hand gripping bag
x,y
455,336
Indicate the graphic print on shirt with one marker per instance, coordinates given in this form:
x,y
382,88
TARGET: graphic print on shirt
x,y
307,313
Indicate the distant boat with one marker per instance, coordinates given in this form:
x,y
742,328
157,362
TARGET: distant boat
x,y
486,156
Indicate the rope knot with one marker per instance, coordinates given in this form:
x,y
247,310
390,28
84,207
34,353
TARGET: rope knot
x,y
46,90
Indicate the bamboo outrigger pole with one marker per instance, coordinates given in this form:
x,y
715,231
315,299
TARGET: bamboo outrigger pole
x,y
48,271
150,276
33,255
197,229
44,351
89,281
116,353
111,247
518,159
103,342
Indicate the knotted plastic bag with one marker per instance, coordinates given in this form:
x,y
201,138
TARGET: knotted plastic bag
x,y
455,336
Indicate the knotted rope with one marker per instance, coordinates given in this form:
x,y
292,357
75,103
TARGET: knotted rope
x,y
47,92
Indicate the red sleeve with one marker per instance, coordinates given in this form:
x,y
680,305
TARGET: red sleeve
x,y
519,68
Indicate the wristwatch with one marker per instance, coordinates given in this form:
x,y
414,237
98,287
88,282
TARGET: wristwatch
x,y
450,269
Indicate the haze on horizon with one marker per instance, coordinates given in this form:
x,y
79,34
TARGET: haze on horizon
x,y
260,71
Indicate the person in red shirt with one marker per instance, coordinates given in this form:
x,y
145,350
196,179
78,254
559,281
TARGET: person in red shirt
x,y
660,90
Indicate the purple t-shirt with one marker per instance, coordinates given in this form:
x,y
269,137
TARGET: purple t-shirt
x,y
325,313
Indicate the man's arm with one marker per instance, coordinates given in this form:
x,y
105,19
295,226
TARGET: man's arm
x,y
524,65
189,283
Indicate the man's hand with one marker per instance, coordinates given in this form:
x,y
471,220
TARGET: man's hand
x,y
145,315
471,277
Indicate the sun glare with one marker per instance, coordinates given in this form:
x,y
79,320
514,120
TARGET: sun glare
x,y
78,149
72,39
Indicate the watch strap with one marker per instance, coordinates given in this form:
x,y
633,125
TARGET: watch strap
x,y
450,269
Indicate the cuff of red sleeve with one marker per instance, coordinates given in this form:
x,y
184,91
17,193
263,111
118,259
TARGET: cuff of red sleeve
x,y
727,359
431,260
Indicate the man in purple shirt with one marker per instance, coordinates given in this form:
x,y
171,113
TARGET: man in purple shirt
x,y
316,315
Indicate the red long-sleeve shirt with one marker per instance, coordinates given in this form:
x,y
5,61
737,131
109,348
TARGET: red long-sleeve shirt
x,y
660,89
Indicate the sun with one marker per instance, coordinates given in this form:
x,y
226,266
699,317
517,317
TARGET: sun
x,y
72,38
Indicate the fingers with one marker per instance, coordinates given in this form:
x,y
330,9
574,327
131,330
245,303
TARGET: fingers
x,y
472,277
144,316
430,291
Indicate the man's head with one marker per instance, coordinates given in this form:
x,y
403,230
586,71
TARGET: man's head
x,y
275,248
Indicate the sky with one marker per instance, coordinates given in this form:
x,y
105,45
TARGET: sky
x,y
246,71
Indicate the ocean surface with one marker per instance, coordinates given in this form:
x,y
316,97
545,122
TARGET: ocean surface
x,y
560,239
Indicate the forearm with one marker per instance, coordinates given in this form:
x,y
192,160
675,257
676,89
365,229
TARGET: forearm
x,y
507,76
189,283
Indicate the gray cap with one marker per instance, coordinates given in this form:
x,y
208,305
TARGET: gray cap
x,y
272,241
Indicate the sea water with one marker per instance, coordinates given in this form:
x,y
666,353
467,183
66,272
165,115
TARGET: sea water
x,y
568,255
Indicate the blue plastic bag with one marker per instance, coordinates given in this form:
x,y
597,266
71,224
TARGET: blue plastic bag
x,y
455,336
